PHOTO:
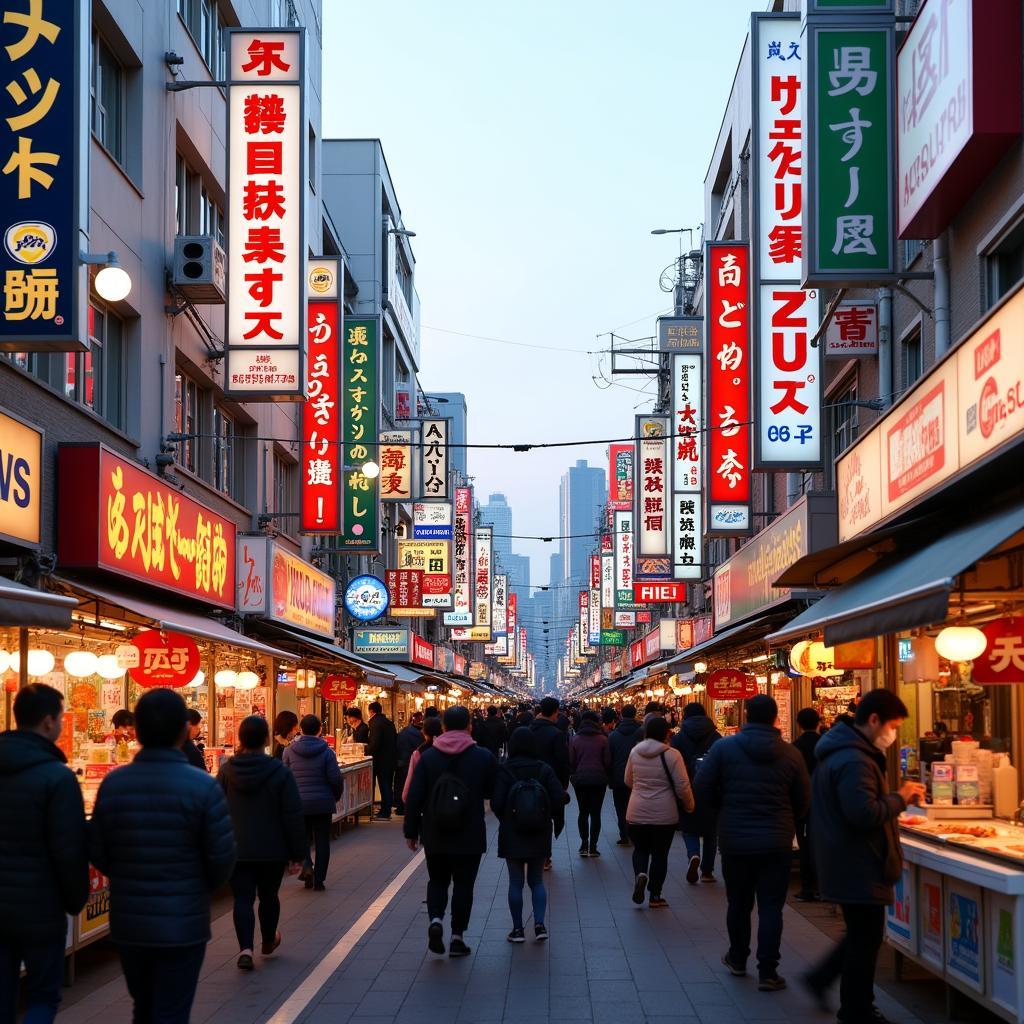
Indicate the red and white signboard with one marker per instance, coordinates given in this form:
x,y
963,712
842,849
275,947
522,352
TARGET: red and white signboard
x,y
422,652
652,486
728,419
853,330
623,557
659,593
406,589
266,314
1003,658
165,658
482,578
395,460
462,544
322,458
730,684
339,688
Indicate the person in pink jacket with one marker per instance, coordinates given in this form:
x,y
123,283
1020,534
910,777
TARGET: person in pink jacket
x,y
431,729
656,774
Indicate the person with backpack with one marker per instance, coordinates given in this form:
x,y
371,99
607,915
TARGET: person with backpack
x,y
621,740
660,790
590,762
529,802
694,739
445,810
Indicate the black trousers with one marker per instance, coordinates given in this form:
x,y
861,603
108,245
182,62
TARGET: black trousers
x,y
44,976
457,870
400,775
853,960
162,981
651,844
318,832
808,874
590,800
249,880
383,776
764,879
620,797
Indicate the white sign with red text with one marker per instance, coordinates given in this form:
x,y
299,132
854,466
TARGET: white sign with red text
x,y
853,330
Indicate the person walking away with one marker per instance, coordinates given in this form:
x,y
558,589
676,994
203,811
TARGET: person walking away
x,y
382,746
808,720
857,846
590,763
496,731
286,728
408,740
621,740
431,730
759,786
192,753
359,729
44,865
445,810
270,835
529,802
695,738
659,791
552,745
161,833
318,776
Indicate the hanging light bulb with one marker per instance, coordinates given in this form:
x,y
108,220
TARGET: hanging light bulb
x,y
960,643
80,664
700,667
198,679
40,661
226,677
108,668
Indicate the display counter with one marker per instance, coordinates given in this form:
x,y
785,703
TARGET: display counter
x,y
959,908
357,775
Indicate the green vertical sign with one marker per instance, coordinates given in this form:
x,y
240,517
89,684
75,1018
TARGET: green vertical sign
x,y
360,422
850,159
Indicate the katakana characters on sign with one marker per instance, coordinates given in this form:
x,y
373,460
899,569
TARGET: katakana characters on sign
x,y
359,425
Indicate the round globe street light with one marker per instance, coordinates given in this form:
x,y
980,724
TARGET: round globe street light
x,y
113,282
371,470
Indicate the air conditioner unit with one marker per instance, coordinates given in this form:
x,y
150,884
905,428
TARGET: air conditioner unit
x,y
200,269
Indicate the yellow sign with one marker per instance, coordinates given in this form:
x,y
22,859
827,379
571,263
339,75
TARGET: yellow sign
x,y
21,459
301,595
429,555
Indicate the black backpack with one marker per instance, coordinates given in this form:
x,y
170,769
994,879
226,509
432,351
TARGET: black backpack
x,y
528,807
449,799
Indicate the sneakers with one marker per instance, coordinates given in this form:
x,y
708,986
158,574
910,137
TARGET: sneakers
x,y
656,902
639,888
693,871
516,935
584,850
708,878
623,841
268,947
540,933
435,938
244,962
772,983
458,948
734,969
594,851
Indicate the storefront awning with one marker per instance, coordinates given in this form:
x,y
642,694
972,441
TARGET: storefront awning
x,y
375,674
26,606
907,590
738,636
182,622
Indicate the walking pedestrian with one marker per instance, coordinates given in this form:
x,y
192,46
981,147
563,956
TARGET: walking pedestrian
x,y
316,771
758,784
162,834
44,865
496,731
808,721
694,739
552,744
857,847
382,746
192,753
445,810
656,776
270,834
621,740
529,802
286,728
359,729
408,740
590,763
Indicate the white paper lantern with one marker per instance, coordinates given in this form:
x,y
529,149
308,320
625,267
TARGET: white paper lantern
x,y
80,664
796,656
226,677
40,661
960,643
247,680
5,661
108,668
198,679
700,667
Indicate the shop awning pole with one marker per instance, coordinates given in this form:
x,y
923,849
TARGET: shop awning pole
x,y
22,657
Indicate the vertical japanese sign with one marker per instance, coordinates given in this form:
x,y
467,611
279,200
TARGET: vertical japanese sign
x,y
651,486
595,601
850,237
624,558
434,455
266,305
43,175
607,581
499,630
462,581
727,291
360,418
322,457
620,477
482,579
583,625
689,451
395,460
787,370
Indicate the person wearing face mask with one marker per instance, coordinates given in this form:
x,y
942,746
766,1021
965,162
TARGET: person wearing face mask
x,y
857,846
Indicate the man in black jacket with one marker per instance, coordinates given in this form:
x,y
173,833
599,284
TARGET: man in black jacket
x,y
44,869
552,742
192,753
695,738
495,731
382,746
161,832
621,740
360,731
408,740
857,846
808,720
759,785
445,810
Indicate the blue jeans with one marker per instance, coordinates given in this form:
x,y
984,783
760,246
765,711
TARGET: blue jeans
x,y
44,974
531,872
693,844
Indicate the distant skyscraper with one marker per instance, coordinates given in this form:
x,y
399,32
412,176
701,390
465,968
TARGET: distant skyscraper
x,y
454,405
498,514
518,568
581,496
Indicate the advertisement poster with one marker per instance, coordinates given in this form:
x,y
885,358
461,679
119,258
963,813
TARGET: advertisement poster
x,y
965,928
930,899
1000,941
899,916
94,918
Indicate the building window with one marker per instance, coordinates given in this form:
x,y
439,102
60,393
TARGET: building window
x,y
285,490
912,248
845,418
107,96
196,211
206,26
224,437
912,364
187,420
1004,265
97,378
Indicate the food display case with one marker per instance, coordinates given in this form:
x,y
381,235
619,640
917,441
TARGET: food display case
x,y
357,775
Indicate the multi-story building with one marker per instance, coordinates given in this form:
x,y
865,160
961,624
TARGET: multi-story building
x,y
497,513
581,496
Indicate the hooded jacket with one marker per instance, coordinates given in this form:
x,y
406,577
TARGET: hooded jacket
x,y
513,844
854,818
695,738
590,758
758,784
621,740
44,867
552,748
316,772
265,807
653,800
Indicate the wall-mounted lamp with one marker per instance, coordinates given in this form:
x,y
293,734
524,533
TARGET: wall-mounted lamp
x,y
113,282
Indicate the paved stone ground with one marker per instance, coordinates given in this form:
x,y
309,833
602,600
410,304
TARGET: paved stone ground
x,y
606,960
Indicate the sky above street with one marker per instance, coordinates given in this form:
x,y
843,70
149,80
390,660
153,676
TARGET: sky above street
x,y
533,147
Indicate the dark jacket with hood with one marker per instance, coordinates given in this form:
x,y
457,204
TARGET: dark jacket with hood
x,y
552,748
621,740
382,743
854,818
695,738
265,807
513,844
496,733
316,772
590,758
44,867
408,740
758,784
161,832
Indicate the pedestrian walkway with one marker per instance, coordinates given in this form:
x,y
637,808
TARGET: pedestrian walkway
x,y
607,960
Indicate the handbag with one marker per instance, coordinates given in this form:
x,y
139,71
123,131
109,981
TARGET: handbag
x,y
680,809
